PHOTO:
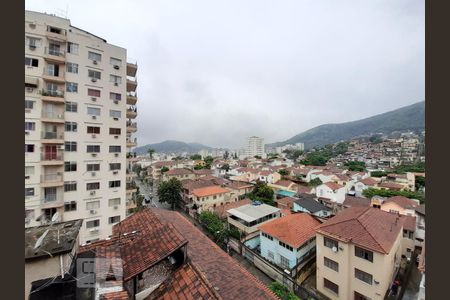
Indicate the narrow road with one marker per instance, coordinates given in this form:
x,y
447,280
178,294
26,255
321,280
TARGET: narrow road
x,y
148,192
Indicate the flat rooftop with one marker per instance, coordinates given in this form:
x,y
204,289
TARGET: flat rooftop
x,y
65,232
251,212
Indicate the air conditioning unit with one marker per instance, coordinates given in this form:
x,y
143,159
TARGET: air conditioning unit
x,y
27,177
94,62
116,67
30,89
116,154
94,154
93,99
116,136
94,117
334,249
94,136
115,172
92,212
116,119
93,173
92,193
116,102
27,132
93,79
116,206
32,47
116,83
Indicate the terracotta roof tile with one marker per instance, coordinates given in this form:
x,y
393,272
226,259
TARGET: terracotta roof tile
x,y
334,186
294,229
402,201
391,185
409,223
179,171
285,183
369,181
209,191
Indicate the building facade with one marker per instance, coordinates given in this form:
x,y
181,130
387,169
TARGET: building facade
x,y
79,107
255,146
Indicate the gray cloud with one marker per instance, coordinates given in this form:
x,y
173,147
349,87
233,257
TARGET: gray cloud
x,y
215,72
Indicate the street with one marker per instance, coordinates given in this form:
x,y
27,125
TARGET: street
x,y
147,190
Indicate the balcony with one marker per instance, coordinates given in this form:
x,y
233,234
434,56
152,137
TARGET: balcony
x,y
131,187
54,56
50,137
52,180
131,98
52,158
131,204
132,112
51,200
56,34
52,76
131,126
52,117
131,156
131,143
52,96
131,85
131,69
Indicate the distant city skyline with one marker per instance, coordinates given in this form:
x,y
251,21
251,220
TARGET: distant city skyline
x,y
217,73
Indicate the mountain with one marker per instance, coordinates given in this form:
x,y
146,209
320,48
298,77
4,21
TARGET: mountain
x,y
408,118
172,147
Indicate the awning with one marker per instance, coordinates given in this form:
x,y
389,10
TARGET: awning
x,y
31,81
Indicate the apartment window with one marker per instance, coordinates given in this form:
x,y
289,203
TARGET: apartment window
x,y
70,186
53,70
331,264
329,242
72,87
29,148
115,219
93,223
70,146
94,74
31,126
408,234
284,262
115,96
70,206
115,79
94,56
114,166
55,30
92,167
33,42
72,68
29,192
365,254
93,129
331,286
93,148
114,184
71,106
93,93
92,205
29,104
363,276
31,62
114,131
29,170
72,48
115,61
70,126
285,246
92,186
359,296
93,111
70,166
115,113
114,149
114,202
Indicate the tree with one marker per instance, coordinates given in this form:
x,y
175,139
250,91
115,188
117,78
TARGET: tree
x,y
378,174
294,154
358,166
420,182
315,182
283,172
195,157
225,167
257,157
226,154
282,291
170,192
262,192
235,155
164,169
150,154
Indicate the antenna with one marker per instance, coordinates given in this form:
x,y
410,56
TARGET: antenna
x,y
40,239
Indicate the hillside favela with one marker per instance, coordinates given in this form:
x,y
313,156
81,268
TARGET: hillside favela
x,y
197,150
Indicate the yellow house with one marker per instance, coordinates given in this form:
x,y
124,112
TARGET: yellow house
x,y
359,253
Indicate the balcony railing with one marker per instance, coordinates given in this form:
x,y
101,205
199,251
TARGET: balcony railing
x,y
132,141
56,177
52,135
51,156
52,93
131,185
52,115
55,52
49,198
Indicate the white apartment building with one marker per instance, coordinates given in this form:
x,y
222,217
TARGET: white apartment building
x,y
255,146
296,146
79,107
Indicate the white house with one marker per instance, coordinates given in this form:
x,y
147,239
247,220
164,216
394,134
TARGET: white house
x,y
333,191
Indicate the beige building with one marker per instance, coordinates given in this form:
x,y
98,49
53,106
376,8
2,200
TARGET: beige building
x,y
254,146
209,197
79,110
359,253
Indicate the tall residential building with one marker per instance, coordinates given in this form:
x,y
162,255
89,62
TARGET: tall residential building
x,y
80,98
255,146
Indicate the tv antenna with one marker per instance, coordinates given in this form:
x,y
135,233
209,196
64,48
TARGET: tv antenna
x,y
63,13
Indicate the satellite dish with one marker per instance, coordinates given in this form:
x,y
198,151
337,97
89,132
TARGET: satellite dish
x,y
55,217
40,240
334,249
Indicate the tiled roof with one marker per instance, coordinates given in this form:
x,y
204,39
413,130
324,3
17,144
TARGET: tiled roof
x,y
352,201
221,210
140,240
334,186
192,185
228,278
409,223
265,173
304,189
203,172
402,201
369,181
420,209
367,227
123,295
285,202
294,229
186,283
178,171
391,185
285,183
209,191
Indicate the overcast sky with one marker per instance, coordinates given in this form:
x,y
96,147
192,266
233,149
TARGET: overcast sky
x,y
216,72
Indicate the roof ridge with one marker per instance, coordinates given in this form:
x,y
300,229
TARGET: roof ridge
x,y
369,231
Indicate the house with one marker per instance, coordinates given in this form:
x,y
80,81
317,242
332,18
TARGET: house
x,y
358,253
49,252
248,218
420,226
364,184
241,188
301,189
352,201
392,186
179,173
285,203
221,210
306,203
269,177
286,185
288,241
400,205
190,185
333,191
207,198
